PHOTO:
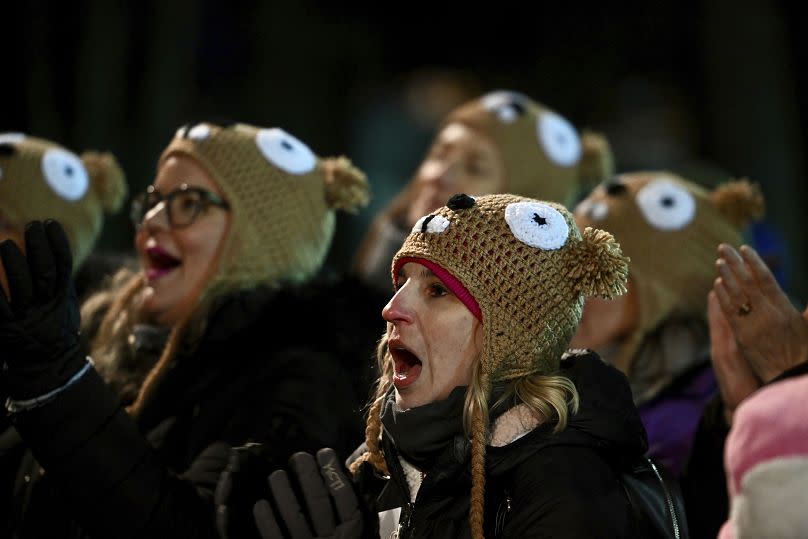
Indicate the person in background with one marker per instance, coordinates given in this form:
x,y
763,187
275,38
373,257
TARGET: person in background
x,y
218,323
766,460
657,333
757,339
40,178
500,142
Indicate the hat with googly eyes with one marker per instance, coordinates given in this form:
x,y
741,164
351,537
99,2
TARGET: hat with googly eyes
x,y
282,197
670,228
40,179
526,266
544,155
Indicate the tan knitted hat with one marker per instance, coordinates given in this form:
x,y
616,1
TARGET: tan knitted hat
x,y
282,197
40,179
527,266
670,228
544,156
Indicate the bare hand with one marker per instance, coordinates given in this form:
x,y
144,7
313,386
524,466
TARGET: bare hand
x,y
771,333
736,379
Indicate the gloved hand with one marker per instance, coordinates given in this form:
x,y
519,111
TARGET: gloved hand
x,y
39,320
240,485
331,508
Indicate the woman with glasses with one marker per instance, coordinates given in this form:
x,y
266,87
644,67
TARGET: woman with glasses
x,y
209,344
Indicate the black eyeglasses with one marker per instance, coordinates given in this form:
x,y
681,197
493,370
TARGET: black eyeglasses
x,y
182,205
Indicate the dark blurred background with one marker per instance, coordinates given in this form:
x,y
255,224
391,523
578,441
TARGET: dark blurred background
x,y
713,89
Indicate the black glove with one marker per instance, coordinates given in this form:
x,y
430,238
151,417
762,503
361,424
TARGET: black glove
x,y
331,509
241,483
39,321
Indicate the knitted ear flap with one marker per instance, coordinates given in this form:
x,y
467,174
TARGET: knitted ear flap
x,y
739,201
346,186
107,178
597,160
601,269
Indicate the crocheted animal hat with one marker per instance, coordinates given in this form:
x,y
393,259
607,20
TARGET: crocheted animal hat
x,y
40,179
527,267
283,199
670,228
544,155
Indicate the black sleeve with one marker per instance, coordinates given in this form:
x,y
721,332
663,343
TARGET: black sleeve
x,y
703,482
118,487
93,451
566,492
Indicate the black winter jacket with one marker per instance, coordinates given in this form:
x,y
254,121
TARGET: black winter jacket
x,y
544,485
289,369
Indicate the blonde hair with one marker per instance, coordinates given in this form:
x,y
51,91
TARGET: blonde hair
x,y
551,398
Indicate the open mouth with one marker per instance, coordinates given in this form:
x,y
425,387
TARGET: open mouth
x,y
160,262
406,366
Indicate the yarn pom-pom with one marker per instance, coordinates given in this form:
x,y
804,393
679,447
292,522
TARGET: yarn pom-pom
x,y
346,186
739,201
601,269
107,177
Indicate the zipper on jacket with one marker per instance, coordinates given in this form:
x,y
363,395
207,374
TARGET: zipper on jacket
x,y
502,512
404,528
668,499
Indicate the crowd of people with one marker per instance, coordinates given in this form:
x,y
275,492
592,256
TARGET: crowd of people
x,y
521,324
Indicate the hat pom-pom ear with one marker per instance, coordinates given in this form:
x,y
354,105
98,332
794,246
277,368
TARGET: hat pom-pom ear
x,y
108,179
597,161
346,186
739,201
600,268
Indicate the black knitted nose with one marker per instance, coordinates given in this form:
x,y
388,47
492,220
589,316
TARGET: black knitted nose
x,y
615,187
460,201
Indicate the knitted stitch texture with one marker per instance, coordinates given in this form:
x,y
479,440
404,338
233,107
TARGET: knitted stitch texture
x,y
671,228
544,155
529,268
282,198
40,179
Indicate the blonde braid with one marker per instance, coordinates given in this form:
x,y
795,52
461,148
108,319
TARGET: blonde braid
x,y
373,431
477,476
479,437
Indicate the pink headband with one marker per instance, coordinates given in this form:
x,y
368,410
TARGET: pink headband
x,y
449,280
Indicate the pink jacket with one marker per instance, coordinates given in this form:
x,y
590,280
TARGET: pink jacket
x,y
766,460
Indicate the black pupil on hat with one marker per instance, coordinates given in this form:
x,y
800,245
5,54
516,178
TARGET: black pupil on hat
x,y
425,223
287,145
539,219
460,201
668,202
69,170
518,108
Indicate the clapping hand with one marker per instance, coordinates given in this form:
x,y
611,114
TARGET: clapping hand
x,y
736,379
771,334
39,318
